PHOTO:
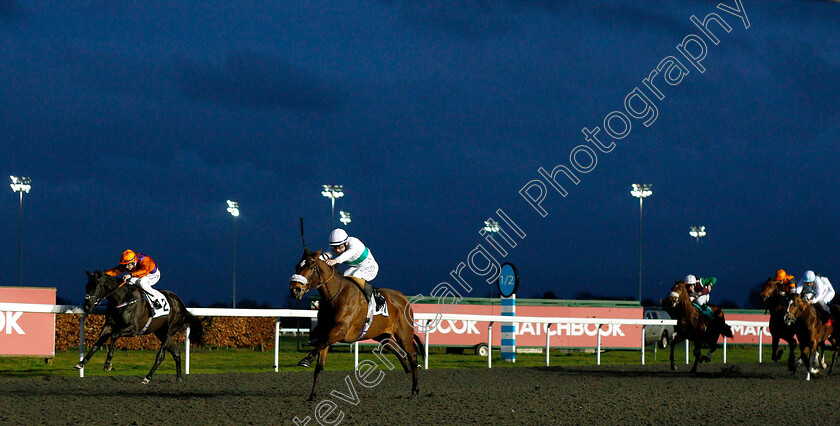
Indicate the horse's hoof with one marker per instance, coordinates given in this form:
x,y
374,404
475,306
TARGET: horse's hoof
x,y
311,398
815,370
305,362
79,366
673,367
145,381
107,367
179,379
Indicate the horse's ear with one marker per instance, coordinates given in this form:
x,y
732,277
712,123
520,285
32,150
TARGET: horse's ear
x,y
88,273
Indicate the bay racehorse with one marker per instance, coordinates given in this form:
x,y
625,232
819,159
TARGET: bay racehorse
x,y
692,325
812,333
342,314
776,296
128,314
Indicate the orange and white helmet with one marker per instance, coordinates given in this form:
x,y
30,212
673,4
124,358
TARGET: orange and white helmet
x,y
128,256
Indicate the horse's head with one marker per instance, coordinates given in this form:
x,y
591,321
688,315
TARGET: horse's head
x,y
678,293
96,290
796,307
306,272
771,288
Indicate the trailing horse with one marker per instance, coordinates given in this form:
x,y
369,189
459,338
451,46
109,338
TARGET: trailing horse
x,y
776,299
692,325
343,312
812,333
129,315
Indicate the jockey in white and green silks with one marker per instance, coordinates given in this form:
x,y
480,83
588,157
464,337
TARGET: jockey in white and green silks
x,y
353,253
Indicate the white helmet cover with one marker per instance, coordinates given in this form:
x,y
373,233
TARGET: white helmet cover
x,y
809,277
338,237
690,279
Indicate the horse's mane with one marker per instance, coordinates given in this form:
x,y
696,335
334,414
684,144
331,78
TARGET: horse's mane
x,y
101,274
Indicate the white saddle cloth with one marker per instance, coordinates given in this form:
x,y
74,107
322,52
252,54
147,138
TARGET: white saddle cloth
x,y
165,308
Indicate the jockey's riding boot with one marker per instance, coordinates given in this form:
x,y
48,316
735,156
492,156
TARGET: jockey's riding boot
x,y
824,315
368,291
380,300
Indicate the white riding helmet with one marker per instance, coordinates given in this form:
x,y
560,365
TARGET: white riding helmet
x,y
809,277
338,237
690,279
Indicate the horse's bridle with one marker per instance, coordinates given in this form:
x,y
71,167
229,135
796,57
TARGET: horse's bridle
x,y
101,299
299,278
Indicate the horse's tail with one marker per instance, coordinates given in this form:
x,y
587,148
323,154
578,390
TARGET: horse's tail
x,y
419,348
196,329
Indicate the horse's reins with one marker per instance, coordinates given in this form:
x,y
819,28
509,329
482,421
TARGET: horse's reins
x,y
108,294
303,280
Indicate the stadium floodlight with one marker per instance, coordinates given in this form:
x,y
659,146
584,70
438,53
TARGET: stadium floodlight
x,y
697,232
332,192
345,217
20,185
233,209
641,191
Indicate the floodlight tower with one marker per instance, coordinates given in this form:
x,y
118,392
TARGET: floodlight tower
x,y
345,217
332,192
641,191
233,209
20,185
697,232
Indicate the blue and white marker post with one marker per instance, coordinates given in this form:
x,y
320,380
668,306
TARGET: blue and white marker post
x,y
508,283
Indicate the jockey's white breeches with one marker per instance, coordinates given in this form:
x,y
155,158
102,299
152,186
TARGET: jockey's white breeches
x,y
365,270
147,282
702,299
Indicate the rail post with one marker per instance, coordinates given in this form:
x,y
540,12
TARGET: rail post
x,y
598,350
355,355
277,345
490,344
643,345
187,350
426,347
547,346
760,336
724,349
82,344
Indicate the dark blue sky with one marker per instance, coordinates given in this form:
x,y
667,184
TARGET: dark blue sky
x,y
136,121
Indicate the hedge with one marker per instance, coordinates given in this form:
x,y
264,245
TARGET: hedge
x,y
226,332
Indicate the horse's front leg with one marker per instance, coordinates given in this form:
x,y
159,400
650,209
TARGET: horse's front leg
x,y
792,355
107,366
333,336
697,353
674,345
337,334
814,360
106,333
322,357
775,352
